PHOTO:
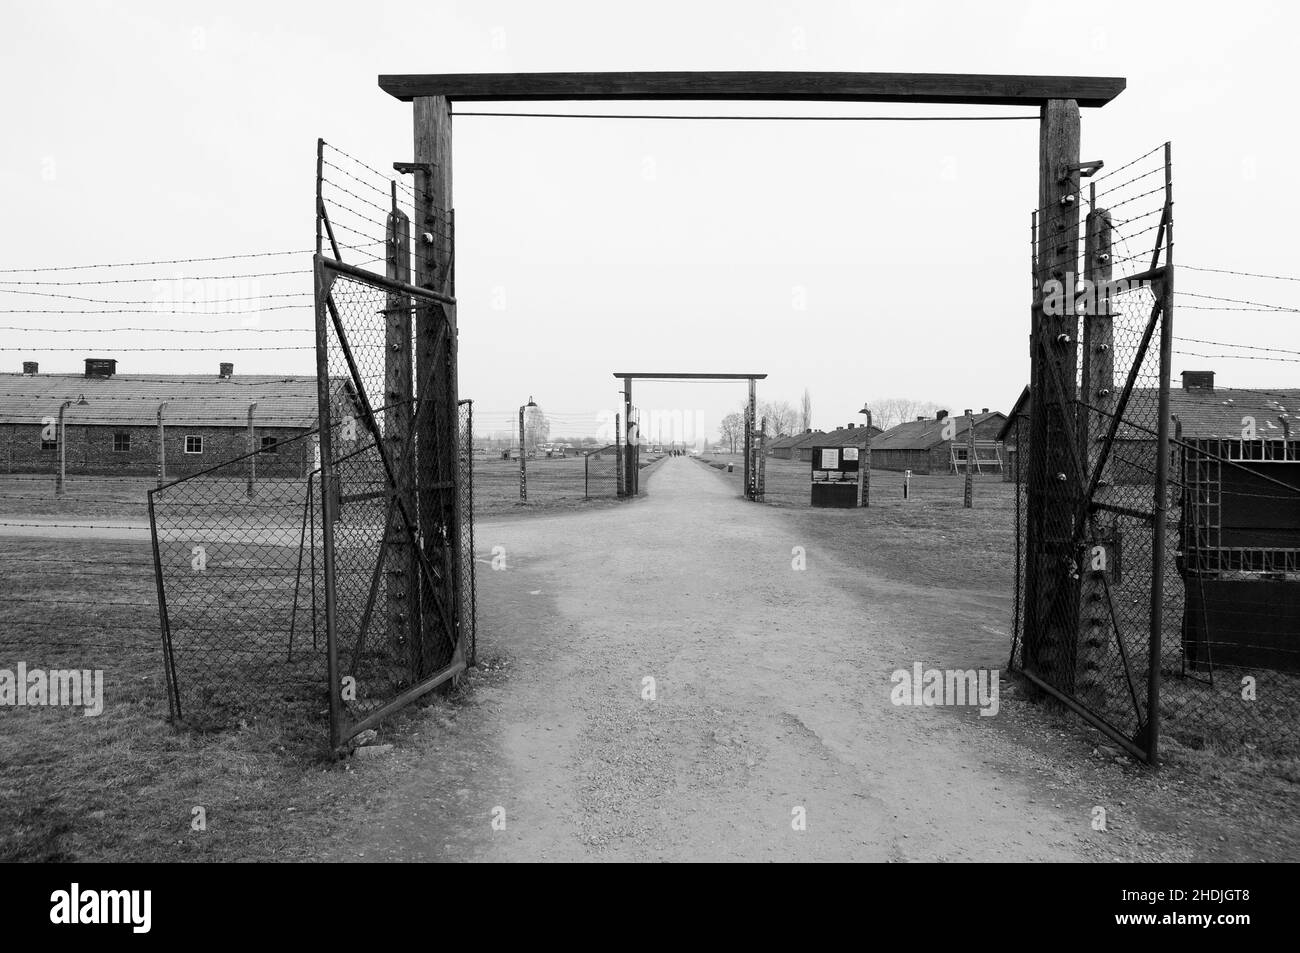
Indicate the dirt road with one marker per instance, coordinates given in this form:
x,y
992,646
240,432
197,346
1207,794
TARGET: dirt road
x,y
772,701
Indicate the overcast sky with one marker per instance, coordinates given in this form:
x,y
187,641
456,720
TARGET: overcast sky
x,y
859,260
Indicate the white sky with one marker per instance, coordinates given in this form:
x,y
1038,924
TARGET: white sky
x,y
133,131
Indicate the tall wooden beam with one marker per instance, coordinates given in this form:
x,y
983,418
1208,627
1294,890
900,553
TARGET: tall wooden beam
x,y
402,564
629,443
750,413
1054,486
962,88
435,359
1098,381
693,377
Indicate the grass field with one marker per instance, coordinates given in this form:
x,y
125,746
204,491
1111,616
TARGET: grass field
x,y
124,784
558,482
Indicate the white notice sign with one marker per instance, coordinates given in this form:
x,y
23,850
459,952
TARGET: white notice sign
x,y
830,459
850,453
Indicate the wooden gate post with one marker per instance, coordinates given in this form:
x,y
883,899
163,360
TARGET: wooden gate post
x,y
968,496
435,362
750,411
162,446
626,438
620,478
1051,569
403,573
1098,376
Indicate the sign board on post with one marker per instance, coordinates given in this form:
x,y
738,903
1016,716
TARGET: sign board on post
x,y
834,476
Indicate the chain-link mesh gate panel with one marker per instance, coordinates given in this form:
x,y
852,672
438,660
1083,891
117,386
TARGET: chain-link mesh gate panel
x,y
1092,598
600,472
239,584
465,488
1232,669
393,613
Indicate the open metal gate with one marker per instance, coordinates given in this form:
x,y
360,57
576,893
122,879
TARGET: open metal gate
x,y
398,620
341,557
1093,454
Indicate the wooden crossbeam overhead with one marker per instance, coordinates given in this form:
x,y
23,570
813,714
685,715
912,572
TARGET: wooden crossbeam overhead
x,y
969,88
692,377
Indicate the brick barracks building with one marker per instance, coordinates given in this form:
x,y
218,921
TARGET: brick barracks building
x,y
204,421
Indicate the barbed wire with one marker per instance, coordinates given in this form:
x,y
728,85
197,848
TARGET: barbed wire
x,y
157,330
301,272
1252,347
171,311
161,261
1241,301
383,175
1238,357
192,350
153,301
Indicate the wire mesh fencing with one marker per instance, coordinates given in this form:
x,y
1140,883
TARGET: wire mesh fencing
x,y
1233,674
600,473
1092,551
468,593
239,589
393,613
351,591
1158,533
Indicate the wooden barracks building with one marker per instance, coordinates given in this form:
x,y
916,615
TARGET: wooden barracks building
x,y
923,445
112,421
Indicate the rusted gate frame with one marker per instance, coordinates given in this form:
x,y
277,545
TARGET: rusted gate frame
x,y
1080,472
308,519
401,489
1145,749
169,661
326,272
1160,278
465,535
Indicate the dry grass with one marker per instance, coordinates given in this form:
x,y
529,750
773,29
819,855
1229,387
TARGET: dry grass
x,y
123,785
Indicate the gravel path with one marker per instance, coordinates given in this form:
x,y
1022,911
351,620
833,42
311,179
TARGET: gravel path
x,y
772,699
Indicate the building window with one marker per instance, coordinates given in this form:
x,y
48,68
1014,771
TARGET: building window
x,y
121,442
269,445
193,444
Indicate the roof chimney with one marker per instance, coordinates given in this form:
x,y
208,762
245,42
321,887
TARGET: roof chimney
x,y
31,367
1198,380
809,430
939,415
919,419
101,367
984,410
850,426
227,369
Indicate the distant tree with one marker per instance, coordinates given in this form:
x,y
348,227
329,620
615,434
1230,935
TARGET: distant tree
x,y
889,412
732,430
780,416
805,412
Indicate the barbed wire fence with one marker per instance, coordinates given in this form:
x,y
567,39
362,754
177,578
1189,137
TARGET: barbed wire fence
x,y
237,548
1176,635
